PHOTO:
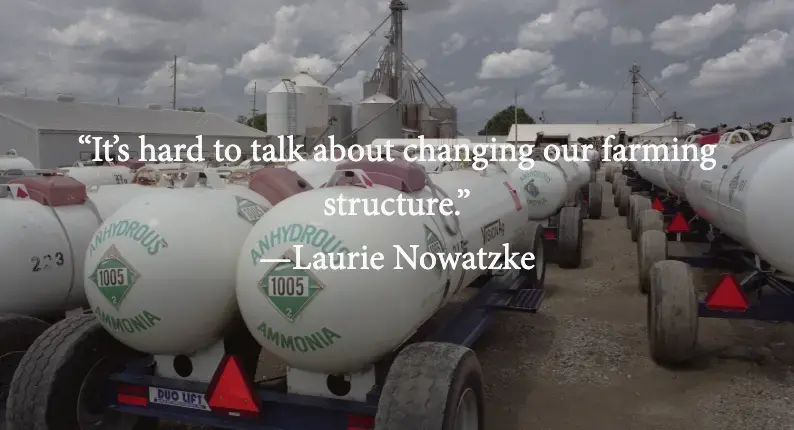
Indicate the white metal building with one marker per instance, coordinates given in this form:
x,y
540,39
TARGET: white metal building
x,y
47,131
528,132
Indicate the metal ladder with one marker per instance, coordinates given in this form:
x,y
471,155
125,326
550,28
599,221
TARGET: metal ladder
x,y
292,107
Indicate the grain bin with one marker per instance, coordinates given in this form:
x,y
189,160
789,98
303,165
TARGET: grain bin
x,y
286,110
380,117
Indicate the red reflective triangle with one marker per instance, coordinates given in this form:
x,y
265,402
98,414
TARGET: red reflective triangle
x,y
657,205
678,225
21,193
231,391
727,296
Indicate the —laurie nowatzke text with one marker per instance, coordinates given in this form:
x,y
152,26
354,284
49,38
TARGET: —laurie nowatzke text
x,y
479,260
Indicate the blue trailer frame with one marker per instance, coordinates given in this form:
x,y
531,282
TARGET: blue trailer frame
x,y
279,410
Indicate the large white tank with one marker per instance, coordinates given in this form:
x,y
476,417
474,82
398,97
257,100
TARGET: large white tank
x,y
316,103
167,286
651,168
387,123
674,170
11,161
544,188
43,246
750,200
340,321
287,111
99,175
343,112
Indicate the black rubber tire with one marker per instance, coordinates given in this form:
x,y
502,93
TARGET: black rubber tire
x,y
425,383
593,174
650,220
623,203
651,248
536,244
616,197
17,333
640,204
46,387
596,201
609,174
569,239
616,182
672,313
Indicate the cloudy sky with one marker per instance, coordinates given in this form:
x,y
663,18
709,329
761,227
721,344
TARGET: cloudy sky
x,y
728,62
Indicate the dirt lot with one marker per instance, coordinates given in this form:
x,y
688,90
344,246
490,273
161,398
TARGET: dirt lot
x,y
582,361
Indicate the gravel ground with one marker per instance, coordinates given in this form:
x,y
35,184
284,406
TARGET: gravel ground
x,y
582,361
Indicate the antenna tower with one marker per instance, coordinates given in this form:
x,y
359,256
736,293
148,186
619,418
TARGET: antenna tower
x,y
173,85
647,90
253,104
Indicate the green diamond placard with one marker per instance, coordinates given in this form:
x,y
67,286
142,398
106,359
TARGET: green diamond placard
x,y
433,245
249,210
289,289
114,276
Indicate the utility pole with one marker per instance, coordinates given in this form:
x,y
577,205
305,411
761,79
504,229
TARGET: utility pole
x,y
515,116
173,97
253,107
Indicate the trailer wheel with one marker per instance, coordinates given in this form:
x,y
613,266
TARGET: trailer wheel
x,y
58,384
616,182
672,313
433,386
651,248
595,202
17,333
616,197
650,220
569,239
609,173
639,205
623,203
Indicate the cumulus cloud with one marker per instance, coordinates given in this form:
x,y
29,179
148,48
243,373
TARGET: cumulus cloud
x,y
625,36
566,23
768,13
685,35
193,80
759,56
466,95
514,64
672,70
550,76
581,92
455,43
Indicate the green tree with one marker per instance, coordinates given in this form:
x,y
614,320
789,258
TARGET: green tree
x,y
258,122
499,124
193,109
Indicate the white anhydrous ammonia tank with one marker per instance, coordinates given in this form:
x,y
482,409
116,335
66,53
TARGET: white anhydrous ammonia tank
x,y
159,273
651,168
674,170
286,110
380,117
11,161
314,172
43,247
750,200
545,188
316,101
339,321
100,175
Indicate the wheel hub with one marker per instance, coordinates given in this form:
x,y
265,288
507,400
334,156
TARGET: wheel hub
x,y
92,412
